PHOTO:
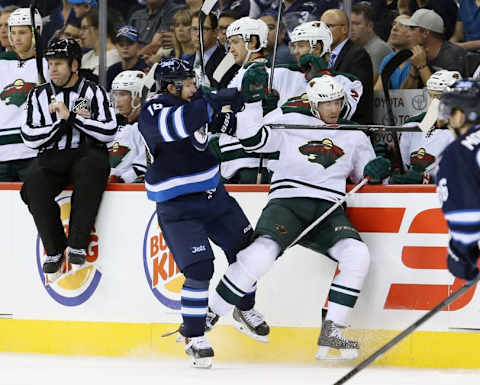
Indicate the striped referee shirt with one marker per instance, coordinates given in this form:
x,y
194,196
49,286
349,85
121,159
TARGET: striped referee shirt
x,y
44,130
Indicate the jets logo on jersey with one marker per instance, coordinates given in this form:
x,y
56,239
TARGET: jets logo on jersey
x,y
16,93
421,158
116,153
324,152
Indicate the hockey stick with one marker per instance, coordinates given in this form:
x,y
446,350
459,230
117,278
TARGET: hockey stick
x,y
204,12
387,72
328,212
346,127
38,43
447,301
270,79
147,83
431,116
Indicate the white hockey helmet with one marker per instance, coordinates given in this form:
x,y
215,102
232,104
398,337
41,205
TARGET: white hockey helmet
x,y
324,89
248,27
21,16
313,32
131,81
441,80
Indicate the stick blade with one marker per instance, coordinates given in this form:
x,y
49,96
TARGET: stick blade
x,y
225,65
208,6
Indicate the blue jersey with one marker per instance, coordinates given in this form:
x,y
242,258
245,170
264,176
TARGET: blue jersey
x,y
458,186
180,164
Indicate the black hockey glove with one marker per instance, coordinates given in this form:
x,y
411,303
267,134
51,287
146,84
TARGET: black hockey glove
x,y
224,123
224,97
462,260
377,169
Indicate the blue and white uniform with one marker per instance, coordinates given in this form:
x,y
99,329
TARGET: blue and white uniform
x,y
458,184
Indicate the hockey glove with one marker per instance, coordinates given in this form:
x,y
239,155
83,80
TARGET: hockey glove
x,y
270,102
255,83
377,169
312,65
462,260
224,97
115,179
381,149
411,177
224,123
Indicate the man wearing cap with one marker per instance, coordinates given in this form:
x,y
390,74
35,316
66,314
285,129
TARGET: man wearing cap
x,y
128,48
81,7
431,52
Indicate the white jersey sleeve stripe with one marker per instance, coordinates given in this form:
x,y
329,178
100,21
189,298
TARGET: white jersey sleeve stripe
x,y
162,124
180,123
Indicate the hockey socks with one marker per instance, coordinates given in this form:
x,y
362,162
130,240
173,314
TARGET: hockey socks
x,y
194,310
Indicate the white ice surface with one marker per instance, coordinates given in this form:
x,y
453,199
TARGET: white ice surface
x,y
19,369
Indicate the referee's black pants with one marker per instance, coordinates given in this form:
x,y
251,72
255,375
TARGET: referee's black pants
x,y
87,169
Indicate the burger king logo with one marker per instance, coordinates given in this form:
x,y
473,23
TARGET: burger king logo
x,y
73,287
163,275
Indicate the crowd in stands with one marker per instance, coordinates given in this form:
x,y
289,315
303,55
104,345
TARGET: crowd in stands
x,y
441,34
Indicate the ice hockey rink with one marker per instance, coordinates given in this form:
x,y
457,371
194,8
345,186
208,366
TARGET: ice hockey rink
x,y
21,369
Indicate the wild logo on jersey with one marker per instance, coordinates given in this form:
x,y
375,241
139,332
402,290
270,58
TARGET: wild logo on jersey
x,y
297,104
421,158
117,153
16,92
324,152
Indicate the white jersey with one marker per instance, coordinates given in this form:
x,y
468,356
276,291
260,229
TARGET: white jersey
x,y
313,162
127,153
17,78
423,148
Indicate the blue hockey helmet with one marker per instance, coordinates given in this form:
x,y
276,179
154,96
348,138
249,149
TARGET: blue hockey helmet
x,y
172,71
463,95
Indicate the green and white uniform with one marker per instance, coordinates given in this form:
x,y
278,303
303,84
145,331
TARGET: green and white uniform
x,y
17,78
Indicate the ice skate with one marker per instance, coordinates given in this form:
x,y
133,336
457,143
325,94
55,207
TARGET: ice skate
x,y
210,321
52,267
200,351
331,338
252,324
76,257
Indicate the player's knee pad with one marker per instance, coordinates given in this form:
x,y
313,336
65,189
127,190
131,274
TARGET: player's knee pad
x,y
200,271
257,259
352,256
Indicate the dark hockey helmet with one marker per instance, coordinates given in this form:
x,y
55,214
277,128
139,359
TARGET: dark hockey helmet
x,y
172,71
463,95
64,49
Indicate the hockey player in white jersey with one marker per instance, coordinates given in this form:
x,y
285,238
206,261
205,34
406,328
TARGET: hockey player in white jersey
x,y
308,178
18,75
420,150
127,152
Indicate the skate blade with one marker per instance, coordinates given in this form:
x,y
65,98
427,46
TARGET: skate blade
x,y
202,363
325,353
52,277
245,330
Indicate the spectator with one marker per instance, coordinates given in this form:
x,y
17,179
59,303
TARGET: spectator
x,y
447,9
283,52
194,5
82,7
4,40
299,11
226,18
66,9
183,44
384,12
126,42
151,21
90,39
364,35
399,40
72,31
431,51
350,58
213,52
467,30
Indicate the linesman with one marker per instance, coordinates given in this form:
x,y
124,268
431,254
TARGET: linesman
x,y
69,121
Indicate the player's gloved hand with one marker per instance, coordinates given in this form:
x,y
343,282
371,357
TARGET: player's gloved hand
x,y
115,179
270,102
312,65
255,83
223,123
377,169
381,149
411,177
225,97
462,260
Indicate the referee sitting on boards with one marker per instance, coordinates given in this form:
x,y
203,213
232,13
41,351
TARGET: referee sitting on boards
x,y
69,121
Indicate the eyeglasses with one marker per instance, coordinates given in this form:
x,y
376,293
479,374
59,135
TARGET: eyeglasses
x,y
334,25
85,27
196,29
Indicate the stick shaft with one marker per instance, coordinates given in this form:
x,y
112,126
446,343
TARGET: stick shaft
x,y
275,44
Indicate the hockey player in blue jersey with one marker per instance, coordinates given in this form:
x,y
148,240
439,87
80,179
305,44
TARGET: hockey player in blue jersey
x,y
458,178
192,203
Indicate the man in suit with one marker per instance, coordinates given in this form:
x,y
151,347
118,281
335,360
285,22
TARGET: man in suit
x,y
213,52
350,58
